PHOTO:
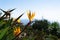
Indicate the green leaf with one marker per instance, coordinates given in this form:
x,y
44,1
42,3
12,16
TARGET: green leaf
x,y
3,32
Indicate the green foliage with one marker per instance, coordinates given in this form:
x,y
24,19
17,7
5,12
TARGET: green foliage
x,y
55,24
40,24
3,32
4,28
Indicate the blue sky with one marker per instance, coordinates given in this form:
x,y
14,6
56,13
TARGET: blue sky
x,y
49,9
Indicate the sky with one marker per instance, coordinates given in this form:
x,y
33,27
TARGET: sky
x,y
46,9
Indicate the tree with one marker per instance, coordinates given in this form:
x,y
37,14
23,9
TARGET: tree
x,y
40,24
55,27
41,28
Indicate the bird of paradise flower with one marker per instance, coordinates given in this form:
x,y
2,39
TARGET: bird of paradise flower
x,y
7,13
17,30
30,15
